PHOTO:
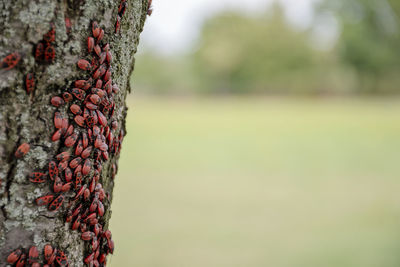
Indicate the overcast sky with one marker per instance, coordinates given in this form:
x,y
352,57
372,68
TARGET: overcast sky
x,y
175,24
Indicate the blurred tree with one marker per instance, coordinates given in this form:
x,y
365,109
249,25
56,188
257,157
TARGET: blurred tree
x,y
370,39
240,54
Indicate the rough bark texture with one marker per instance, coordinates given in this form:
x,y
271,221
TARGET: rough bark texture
x,y
29,118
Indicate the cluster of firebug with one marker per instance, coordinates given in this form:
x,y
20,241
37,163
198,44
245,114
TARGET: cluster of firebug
x,y
51,257
89,134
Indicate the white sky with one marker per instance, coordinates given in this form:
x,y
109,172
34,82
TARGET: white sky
x,y
175,24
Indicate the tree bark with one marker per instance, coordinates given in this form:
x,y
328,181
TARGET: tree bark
x,y
28,118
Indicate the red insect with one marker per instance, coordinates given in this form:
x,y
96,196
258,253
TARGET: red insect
x,y
118,24
122,8
57,135
100,209
48,251
87,166
21,261
56,204
33,255
37,177
78,93
89,259
97,50
39,52
53,170
86,153
75,162
90,44
91,106
84,64
10,61
109,57
149,8
90,121
62,166
49,54
67,97
22,150
29,83
79,120
71,140
78,180
107,76
66,187
85,140
99,72
103,56
57,101
79,148
14,256
50,36
87,235
106,47
95,29
57,185
68,174
41,201
102,118
58,120
100,37
63,156
83,84
68,25
75,109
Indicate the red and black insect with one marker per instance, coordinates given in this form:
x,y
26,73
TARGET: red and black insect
x,y
63,156
118,24
90,44
56,204
21,261
44,200
10,61
71,140
67,97
79,120
57,101
37,177
39,52
53,170
14,256
84,65
49,54
33,255
57,186
78,93
50,36
22,150
95,29
29,83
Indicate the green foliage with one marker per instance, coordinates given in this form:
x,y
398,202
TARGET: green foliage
x,y
370,39
264,54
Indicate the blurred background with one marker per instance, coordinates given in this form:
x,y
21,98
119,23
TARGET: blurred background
x,y
263,133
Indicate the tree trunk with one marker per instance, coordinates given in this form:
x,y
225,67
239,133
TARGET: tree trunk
x,y
29,118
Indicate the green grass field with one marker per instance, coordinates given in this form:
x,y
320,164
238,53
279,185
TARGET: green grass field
x,y
258,182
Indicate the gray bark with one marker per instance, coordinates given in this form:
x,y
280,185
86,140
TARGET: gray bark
x,y
29,118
